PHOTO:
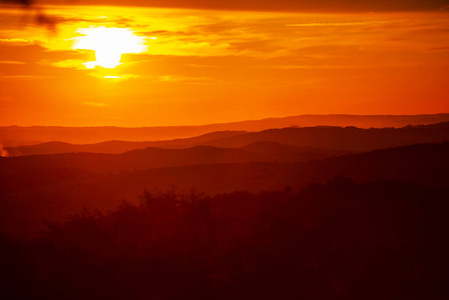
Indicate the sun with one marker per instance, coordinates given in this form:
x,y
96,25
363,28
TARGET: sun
x,y
109,44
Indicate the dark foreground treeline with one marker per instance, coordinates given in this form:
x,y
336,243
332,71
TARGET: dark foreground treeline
x,y
341,240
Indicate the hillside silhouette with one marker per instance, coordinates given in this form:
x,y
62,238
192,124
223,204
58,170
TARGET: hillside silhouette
x,y
12,136
324,137
339,240
342,138
115,147
292,213
43,166
42,187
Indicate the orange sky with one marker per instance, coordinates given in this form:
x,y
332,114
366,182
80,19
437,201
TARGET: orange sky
x,y
210,66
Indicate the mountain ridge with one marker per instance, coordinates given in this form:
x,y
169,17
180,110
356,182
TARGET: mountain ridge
x,y
347,138
16,135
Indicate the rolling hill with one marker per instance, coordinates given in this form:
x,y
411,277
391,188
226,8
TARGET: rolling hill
x,y
115,147
11,136
24,172
57,190
324,137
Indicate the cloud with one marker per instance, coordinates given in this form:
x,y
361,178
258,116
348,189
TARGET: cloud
x,y
183,79
194,42
68,63
285,5
293,67
115,78
17,41
439,48
11,62
201,66
192,47
332,24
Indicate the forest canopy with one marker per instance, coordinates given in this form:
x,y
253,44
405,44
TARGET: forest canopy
x,y
340,240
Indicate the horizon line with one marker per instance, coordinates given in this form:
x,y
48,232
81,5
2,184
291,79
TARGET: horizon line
x,y
230,122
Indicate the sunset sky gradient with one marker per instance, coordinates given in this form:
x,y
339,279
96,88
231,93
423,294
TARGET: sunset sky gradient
x,y
210,62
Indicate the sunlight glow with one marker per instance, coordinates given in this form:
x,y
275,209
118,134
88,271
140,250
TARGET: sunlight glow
x,y
109,44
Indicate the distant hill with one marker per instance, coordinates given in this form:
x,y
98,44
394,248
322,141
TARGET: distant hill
x,y
422,163
52,186
11,136
324,137
24,172
115,147
347,138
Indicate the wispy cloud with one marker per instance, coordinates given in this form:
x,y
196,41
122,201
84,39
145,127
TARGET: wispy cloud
x,y
11,62
68,63
185,79
17,41
439,48
317,67
352,23
115,78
